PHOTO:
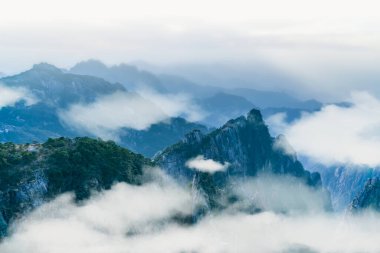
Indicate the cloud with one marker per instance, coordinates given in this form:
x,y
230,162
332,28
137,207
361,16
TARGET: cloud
x,y
174,105
137,219
9,96
337,135
282,144
101,223
277,123
280,194
266,232
206,165
108,115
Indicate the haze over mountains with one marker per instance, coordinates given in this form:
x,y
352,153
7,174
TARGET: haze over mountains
x,y
211,95
55,92
204,151
60,95
132,77
200,126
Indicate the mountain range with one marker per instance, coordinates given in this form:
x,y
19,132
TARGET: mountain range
x,y
240,146
238,100
55,90
32,174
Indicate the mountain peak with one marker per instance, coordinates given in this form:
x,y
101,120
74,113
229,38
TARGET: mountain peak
x,y
90,64
255,116
43,66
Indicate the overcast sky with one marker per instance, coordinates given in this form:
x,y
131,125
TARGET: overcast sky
x,y
326,42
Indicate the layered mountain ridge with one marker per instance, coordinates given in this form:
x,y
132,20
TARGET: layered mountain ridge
x,y
55,90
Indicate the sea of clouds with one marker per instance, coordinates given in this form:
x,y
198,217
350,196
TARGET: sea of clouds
x,y
130,218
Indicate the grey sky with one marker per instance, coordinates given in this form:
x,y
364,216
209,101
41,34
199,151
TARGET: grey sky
x,y
326,44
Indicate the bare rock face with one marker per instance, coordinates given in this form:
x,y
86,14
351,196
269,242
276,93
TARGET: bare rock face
x,y
369,198
244,144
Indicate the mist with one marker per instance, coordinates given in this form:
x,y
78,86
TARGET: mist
x,y
326,52
108,115
324,58
130,218
9,96
336,135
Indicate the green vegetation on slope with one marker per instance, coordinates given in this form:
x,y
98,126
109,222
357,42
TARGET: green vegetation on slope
x,y
33,173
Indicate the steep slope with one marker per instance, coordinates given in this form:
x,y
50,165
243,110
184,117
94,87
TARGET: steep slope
x,y
31,174
369,197
244,144
344,182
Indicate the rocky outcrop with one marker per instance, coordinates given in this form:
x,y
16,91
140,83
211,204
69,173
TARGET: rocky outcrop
x,y
369,198
344,182
244,144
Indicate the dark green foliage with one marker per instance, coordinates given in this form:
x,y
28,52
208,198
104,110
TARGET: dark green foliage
x,y
33,173
82,164
13,159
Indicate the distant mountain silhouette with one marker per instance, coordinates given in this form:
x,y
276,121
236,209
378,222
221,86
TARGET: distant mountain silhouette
x,y
55,90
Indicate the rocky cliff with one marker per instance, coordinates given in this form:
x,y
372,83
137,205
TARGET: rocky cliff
x,y
244,144
369,197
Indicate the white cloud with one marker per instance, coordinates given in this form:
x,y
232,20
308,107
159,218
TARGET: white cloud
x,y
206,165
280,194
107,116
267,233
10,96
338,135
277,123
174,105
282,144
135,219
101,223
